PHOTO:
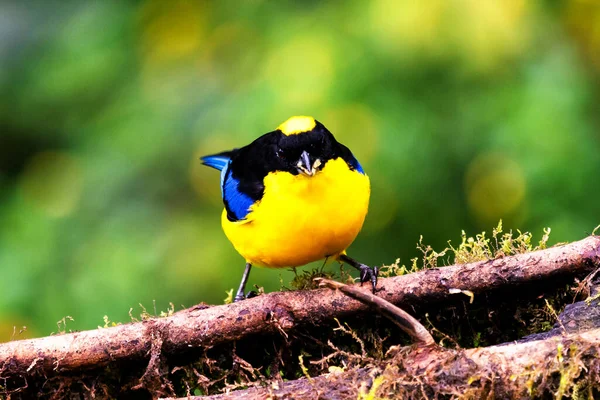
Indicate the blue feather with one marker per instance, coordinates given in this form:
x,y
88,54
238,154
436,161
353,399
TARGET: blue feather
x,y
356,165
236,202
220,162
217,161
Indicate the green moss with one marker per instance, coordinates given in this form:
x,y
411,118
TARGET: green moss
x,y
108,323
500,244
229,298
305,279
62,325
471,249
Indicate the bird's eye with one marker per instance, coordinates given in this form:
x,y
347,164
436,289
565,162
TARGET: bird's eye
x,y
280,154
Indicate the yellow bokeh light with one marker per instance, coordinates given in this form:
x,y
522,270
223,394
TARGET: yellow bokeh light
x,y
485,32
171,30
583,21
356,126
53,182
407,24
495,186
491,30
301,70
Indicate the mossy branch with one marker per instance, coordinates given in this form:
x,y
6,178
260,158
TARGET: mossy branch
x,y
516,370
203,326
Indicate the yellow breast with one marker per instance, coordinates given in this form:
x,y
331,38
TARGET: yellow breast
x,y
301,219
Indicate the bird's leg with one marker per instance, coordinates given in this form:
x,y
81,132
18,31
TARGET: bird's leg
x,y
366,273
240,292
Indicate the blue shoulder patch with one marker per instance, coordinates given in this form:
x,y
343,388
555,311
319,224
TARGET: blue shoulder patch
x,y
237,203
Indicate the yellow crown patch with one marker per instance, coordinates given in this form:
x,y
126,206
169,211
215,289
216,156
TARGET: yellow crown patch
x,y
297,124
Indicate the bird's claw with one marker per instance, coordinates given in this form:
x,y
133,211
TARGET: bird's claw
x,y
369,274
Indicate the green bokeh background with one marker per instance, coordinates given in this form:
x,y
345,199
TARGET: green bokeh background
x,y
462,112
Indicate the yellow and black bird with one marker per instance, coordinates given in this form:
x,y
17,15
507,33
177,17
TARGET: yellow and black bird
x,y
293,196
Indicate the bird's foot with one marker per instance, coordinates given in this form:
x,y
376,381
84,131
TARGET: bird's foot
x,y
240,296
368,274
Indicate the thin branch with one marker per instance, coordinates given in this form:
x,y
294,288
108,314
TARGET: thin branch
x,y
404,320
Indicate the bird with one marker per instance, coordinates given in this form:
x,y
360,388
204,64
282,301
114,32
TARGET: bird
x,y
293,196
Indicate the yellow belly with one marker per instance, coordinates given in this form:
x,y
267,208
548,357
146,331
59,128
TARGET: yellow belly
x,y
301,219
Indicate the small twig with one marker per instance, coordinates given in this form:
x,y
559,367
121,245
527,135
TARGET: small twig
x,y
400,317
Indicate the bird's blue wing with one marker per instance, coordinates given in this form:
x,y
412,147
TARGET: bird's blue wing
x,y
236,203
220,162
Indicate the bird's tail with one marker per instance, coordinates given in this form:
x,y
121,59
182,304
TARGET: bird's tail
x,y
218,161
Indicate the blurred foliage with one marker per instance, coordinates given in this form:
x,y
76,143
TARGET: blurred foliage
x,y
462,112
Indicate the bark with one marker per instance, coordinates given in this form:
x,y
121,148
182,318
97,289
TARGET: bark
x,y
519,370
204,326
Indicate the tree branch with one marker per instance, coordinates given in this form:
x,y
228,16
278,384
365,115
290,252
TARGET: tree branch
x,y
519,370
204,326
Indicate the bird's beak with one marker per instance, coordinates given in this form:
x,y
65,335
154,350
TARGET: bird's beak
x,y
305,166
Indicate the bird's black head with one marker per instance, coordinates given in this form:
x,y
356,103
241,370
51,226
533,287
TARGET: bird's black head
x,y
301,145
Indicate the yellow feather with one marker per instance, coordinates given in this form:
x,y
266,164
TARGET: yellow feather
x,y
301,219
298,124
